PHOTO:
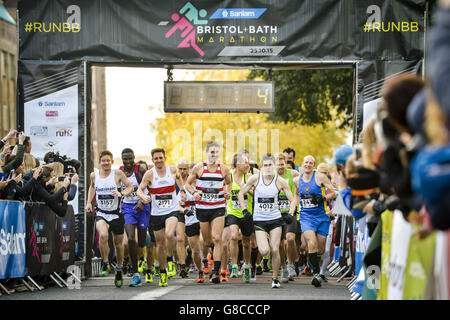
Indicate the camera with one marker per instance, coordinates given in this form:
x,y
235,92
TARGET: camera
x,y
69,164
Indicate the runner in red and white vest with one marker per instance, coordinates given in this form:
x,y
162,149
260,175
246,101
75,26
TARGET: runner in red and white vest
x,y
161,181
212,182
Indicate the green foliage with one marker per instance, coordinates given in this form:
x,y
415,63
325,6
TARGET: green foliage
x,y
311,96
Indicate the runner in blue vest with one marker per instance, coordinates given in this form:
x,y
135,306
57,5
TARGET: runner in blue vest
x,y
136,214
314,213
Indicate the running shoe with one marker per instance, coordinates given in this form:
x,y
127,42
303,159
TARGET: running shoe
x,y
183,273
234,271
163,279
206,266
275,283
253,274
200,278
316,281
192,268
246,274
284,275
259,270
223,276
291,271
118,279
136,282
155,271
105,269
148,276
140,265
324,278
171,270
214,278
129,271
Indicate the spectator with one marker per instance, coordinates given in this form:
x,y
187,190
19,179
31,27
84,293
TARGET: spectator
x,y
30,161
6,168
46,181
17,189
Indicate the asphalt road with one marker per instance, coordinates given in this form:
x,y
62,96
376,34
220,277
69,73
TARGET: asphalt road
x,y
186,289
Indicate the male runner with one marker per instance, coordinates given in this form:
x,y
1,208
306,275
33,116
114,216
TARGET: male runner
x,y
290,231
192,228
267,218
235,218
314,218
105,186
136,214
212,188
161,181
182,173
289,153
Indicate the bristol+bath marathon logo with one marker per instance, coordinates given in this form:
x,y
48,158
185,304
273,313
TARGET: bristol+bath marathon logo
x,y
189,20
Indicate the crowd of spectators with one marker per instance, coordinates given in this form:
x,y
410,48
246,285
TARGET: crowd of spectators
x,y
23,178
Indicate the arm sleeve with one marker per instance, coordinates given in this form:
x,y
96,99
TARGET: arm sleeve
x,y
72,192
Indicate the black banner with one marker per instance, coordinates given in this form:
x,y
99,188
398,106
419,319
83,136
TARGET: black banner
x,y
65,234
50,240
204,31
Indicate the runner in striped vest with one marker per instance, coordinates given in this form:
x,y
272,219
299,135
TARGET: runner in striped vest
x,y
212,182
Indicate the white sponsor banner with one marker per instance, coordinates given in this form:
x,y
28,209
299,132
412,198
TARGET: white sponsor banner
x,y
401,234
370,110
51,121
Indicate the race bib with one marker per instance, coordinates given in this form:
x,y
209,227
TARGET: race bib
x,y
163,201
132,197
235,202
105,202
266,204
307,201
210,195
283,202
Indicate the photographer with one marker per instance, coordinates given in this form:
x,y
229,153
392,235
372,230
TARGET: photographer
x,y
19,155
45,184
16,188
68,163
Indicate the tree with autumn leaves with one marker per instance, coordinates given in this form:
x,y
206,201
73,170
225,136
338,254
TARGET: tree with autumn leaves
x,y
184,136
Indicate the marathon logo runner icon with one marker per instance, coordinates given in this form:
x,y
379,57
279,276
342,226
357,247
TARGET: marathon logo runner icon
x,y
189,21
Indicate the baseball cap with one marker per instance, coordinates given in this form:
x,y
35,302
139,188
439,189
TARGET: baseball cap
x,y
342,153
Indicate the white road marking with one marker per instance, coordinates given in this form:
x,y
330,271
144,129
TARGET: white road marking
x,y
154,294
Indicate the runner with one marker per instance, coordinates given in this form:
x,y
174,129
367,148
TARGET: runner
x,y
314,218
212,188
105,187
267,217
289,153
323,168
182,174
136,214
291,231
235,219
255,256
192,229
161,181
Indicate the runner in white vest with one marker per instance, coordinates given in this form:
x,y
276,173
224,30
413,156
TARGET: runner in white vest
x,y
267,218
105,187
212,182
161,181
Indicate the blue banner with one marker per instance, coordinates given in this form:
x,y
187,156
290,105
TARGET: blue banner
x,y
12,239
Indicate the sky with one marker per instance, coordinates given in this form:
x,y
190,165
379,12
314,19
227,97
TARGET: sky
x,y
129,94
